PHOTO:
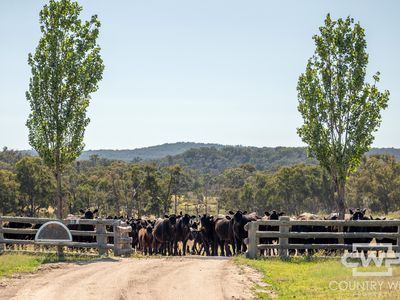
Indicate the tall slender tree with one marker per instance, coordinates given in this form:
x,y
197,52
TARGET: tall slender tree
x,y
66,68
340,110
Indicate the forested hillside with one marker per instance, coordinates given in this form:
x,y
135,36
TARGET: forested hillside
x,y
215,161
214,158
147,153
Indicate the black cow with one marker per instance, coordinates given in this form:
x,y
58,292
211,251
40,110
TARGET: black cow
x,y
86,215
136,225
196,238
164,234
307,228
273,215
357,215
182,231
223,236
207,230
384,229
240,219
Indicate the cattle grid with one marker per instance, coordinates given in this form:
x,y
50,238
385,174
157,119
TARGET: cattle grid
x,y
122,243
340,234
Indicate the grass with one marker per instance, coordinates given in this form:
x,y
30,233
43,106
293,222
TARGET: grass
x,y
319,278
11,263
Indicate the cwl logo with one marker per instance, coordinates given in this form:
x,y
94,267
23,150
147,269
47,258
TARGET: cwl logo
x,y
383,261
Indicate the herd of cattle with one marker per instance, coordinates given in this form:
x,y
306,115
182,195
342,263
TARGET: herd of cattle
x,y
213,235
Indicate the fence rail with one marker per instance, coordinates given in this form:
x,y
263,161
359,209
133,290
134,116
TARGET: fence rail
x,y
340,233
121,245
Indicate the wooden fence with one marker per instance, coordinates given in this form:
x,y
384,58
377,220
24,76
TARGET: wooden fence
x,y
340,234
121,245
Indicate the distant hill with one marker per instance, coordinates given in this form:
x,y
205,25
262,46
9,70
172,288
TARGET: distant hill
x,y
147,153
391,151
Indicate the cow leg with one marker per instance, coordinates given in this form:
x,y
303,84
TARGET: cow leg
x,y
227,249
184,247
238,246
221,246
201,250
206,247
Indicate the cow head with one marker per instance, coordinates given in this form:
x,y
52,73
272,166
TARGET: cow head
x,y
149,229
273,215
238,216
172,220
88,214
206,223
193,224
358,214
185,220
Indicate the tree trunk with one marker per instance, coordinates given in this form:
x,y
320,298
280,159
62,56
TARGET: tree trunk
x,y
176,204
139,207
32,204
386,205
341,188
59,210
117,207
205,201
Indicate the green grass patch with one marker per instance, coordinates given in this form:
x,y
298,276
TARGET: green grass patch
x,y
319,278
11,263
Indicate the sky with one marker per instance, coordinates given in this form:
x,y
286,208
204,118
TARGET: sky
x,y
214,71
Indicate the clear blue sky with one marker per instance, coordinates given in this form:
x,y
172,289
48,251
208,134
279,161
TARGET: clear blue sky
x,y
202,71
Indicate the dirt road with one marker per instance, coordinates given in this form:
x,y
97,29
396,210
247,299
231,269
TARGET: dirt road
x,y
153,278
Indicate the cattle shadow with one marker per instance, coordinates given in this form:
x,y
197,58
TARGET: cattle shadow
x,y
203,257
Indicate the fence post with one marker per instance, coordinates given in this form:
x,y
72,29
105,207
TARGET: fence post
x,y
341,239
283,241
117,243
101,238
252,249
398,240
2,248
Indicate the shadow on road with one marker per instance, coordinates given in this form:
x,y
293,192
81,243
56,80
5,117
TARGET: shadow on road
x,y
93,261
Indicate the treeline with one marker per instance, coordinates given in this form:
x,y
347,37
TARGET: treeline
x,y
212,160
27,187
307,188
216,160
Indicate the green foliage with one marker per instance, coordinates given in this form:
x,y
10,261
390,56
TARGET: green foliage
x,y
66,68
9,189
215,160
120,188
36,183
209,160
339,109
293,189
376,184
9,156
